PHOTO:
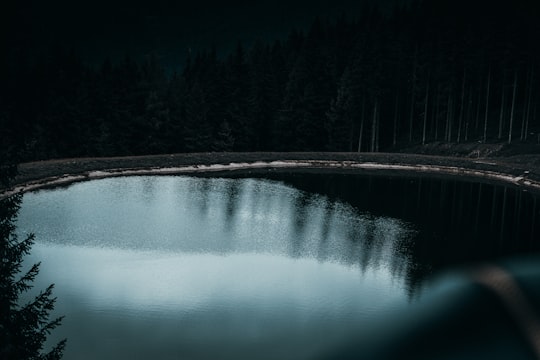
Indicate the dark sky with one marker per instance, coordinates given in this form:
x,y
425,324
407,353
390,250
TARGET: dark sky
x,y
99,28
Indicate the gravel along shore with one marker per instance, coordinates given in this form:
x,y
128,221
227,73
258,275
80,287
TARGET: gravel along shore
x,y
520,171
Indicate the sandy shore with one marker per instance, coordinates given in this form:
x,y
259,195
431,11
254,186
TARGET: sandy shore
x,y
522,171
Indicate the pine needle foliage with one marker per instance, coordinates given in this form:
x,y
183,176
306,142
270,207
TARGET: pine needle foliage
x,y
23,327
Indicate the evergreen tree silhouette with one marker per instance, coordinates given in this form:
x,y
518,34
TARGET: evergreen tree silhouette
x,y
23,327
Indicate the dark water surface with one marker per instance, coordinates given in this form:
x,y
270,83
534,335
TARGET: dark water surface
x,y
205,268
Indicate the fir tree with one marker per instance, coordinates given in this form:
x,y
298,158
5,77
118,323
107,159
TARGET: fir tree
x,y
23,327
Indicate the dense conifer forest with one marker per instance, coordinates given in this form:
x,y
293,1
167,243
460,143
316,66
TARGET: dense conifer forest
x,y
424,71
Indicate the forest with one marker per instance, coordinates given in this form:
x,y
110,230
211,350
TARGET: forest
x,y
424,71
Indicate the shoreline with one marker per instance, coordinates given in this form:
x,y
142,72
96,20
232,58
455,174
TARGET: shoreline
x,y
55,173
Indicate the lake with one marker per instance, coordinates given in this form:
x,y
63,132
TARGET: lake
x,y
280,267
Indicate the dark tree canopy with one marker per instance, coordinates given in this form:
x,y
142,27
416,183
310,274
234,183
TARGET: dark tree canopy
x,y
425,71
24,327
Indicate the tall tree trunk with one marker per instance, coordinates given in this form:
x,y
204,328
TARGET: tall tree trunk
x,y
396,114
413,94
478,106
534,117
468,115
352,139
528,116
362,118
524,113
528,106
378,132
462,107
426,100
487,105
437,109
448,133
512,108
374,125
501,116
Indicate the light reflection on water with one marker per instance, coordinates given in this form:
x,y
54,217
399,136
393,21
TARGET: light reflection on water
x,y
211,268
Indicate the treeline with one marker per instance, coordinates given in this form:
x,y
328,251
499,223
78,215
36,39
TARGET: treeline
x,y
452,71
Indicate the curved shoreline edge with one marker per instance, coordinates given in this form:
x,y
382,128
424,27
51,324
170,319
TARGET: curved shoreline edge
x,y
517,178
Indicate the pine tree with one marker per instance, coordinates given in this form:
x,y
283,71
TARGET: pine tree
x,y
235,93
344,111
224,138
197,130
23,328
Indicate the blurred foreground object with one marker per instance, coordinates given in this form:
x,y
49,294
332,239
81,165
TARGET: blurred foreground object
x,y
488,312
